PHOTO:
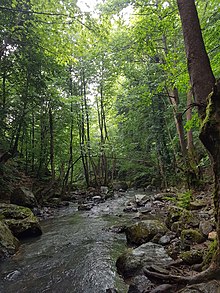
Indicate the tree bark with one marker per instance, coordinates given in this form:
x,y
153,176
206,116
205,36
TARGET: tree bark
x,y
174,100
201,75
190,145
51,144
207,95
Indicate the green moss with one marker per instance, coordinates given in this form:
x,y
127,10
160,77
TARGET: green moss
x,y
190,236
144,231
192,257
180,215
209,111
210,253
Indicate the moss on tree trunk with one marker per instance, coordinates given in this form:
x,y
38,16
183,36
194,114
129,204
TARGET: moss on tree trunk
x,y
210,137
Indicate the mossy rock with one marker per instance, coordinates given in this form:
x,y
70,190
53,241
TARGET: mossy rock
x,y
197,204
9,211
209,254
191,236
144,231
179,218
192,257
176,214
8,243
20,220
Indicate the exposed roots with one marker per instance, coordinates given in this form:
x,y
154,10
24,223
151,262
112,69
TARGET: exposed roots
x,y
211,273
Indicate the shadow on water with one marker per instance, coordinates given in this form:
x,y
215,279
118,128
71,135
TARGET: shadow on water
x,y
75,254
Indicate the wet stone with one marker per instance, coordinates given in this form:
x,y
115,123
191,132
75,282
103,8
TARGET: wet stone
x,y
144,231
133,261
140,284
164,240
165,288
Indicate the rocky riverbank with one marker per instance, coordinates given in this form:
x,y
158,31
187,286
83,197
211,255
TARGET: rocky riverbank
x,y
168,233
168,239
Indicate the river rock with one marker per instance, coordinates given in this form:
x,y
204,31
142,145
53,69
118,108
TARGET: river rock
x,y
140,284
85,206
8,243
179,218
210,287
164,240
205,227
190,236
23,197
132,262
144,231
197,204
212,235
141,199
97,198
164,288
192,257
120,186
20,220
130,206
147,208
12,276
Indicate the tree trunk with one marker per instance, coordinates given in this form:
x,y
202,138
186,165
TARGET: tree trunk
x,y
203,82
190,145
210,137
174,100
32,142
201,75
51,144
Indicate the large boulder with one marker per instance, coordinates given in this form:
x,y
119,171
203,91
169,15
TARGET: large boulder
x,y
20,220
144,231
23,197
132,262
8,243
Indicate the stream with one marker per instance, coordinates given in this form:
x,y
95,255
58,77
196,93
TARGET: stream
x,y
76,253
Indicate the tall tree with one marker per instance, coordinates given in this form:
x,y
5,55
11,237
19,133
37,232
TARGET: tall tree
x,y
207,96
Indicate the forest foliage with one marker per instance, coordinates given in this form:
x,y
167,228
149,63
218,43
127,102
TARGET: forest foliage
x,y
90,98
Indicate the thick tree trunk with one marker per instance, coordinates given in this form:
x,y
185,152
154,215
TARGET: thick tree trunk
x,y
203,83
210,136
201,75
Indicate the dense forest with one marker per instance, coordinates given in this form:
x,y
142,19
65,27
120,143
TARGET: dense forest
x,y
122,96
89,98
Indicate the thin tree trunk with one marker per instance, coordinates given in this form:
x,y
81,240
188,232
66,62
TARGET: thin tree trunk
x,y
32,142
190,145
174,99
51,143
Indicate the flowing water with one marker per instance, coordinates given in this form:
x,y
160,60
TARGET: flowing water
x,y
75,254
